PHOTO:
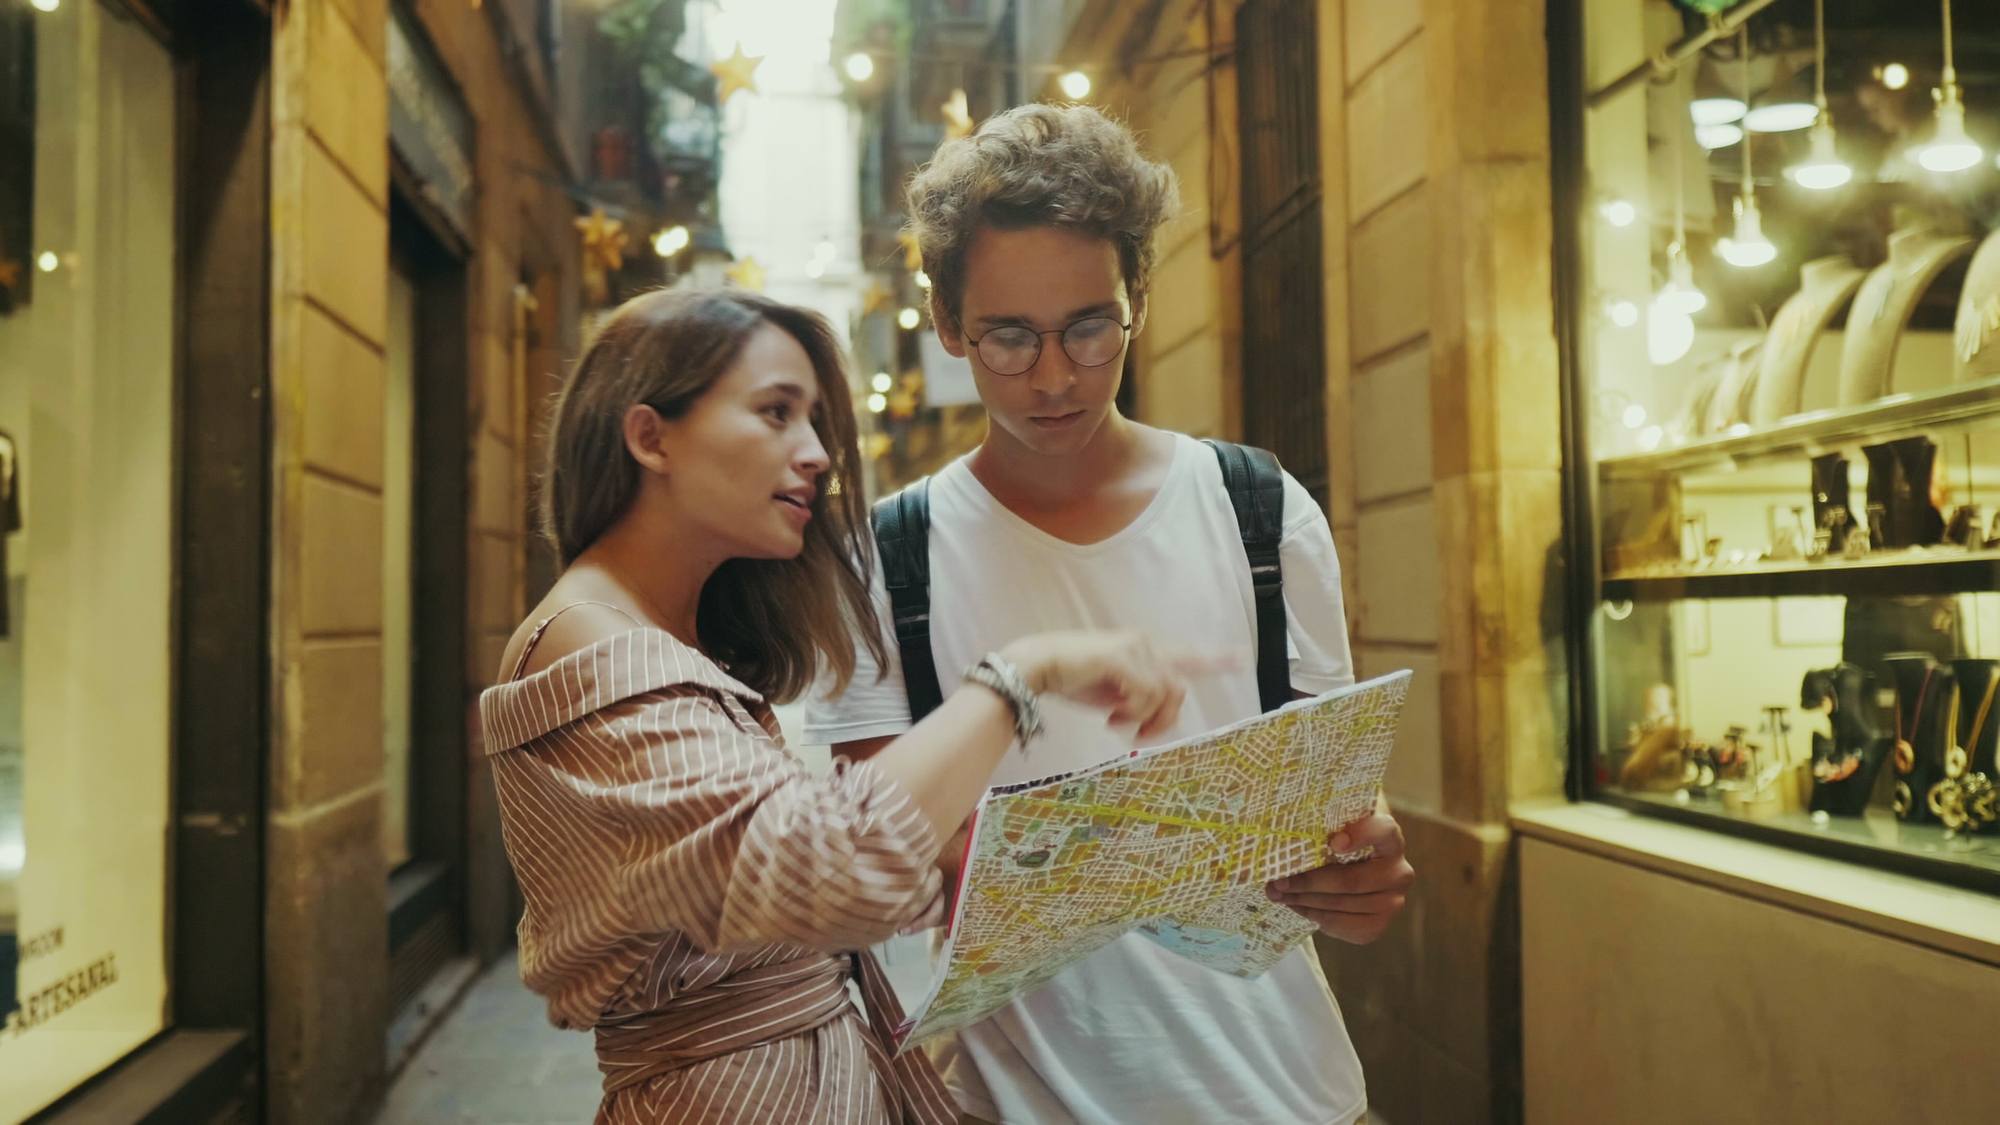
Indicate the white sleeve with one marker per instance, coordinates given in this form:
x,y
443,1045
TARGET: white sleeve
x,y
871,707
1315,612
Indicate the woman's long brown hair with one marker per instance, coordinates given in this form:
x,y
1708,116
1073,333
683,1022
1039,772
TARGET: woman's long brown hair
x,y
776,623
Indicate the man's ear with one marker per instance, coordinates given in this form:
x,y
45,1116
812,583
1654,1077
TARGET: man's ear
x,y
645,438
1138,317
946,327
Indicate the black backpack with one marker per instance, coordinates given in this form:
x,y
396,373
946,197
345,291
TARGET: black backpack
x,y
1256,490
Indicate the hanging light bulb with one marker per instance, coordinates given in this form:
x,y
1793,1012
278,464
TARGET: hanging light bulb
x,y
1822,170
1669,334
1950,149
1715,111
1679,293
1749,248
1670,320
1712,137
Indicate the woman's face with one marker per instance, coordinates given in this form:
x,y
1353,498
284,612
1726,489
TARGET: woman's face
x,y
743,464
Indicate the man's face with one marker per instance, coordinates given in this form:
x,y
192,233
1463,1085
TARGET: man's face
x,y
1045,280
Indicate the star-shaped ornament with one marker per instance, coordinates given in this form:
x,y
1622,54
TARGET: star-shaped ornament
x,y
957,117
746,274
876,297
737,72
603,251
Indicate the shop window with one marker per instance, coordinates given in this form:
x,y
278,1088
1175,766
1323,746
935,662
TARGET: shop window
x,y
1784,297
87,405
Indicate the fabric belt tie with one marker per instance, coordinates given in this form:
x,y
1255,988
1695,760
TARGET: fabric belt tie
x,y
765,1005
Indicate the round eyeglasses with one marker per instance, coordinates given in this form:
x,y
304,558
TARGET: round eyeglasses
x,y
1090,342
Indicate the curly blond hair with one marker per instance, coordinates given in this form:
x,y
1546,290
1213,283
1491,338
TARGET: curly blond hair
x,y
1068,167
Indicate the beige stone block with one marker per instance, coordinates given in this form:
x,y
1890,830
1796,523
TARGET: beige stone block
x,y
347,101
1656,978
1485,58
1182,389
342,412
1392,426
494,381
1496,393
1387,152
1390,276
497,483
1374,28
338,746
346,247
1499,533
340,559
1415,778
496,561
368,18
1459,890
1501,741
1183,298
326,976
1399,572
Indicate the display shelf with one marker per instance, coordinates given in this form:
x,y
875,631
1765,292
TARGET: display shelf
x,y
1816,432
1914,574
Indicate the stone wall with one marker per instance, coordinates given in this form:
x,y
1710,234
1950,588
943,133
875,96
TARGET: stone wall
x,y
327,955
1442,418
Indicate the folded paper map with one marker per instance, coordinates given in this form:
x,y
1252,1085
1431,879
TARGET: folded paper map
x,y
1175,842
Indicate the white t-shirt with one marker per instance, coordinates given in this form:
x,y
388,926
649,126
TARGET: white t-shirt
x,y
1134,1033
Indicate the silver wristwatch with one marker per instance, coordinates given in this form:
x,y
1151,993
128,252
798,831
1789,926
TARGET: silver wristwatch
x,y
999,674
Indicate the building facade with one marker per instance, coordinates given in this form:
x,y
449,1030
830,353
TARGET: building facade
x,y
1573,951
281,284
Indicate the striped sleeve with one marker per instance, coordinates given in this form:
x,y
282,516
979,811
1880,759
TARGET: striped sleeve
x,y
727,839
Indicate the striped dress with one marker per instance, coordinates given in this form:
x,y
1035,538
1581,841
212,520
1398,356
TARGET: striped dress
x,y
693,893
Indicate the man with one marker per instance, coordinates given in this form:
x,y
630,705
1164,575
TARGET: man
x,y
1038,235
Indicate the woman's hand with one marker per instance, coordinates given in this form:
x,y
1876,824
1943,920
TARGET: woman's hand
x,y
1121,671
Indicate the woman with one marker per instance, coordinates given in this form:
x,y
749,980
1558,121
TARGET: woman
x,y
691,888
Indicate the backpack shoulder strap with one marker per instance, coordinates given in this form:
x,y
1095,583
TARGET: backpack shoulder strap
x,y
1257,492
903,540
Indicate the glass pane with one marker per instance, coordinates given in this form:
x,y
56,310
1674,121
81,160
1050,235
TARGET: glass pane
x,y
1792,341
86,396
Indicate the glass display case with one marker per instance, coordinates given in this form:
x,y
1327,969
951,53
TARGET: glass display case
x,y
1786,373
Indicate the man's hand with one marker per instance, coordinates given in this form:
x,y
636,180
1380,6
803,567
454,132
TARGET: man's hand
x,y
1354,902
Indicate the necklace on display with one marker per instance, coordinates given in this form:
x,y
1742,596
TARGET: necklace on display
x,y
1906,751
1957,758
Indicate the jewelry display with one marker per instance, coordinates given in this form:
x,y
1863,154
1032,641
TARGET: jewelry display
x,y
1846,760
1882,307
1830,510
1826,285
1965,798
1731,403
1900,509
1923,698
1976,330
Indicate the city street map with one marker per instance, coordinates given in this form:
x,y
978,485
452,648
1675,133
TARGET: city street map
x,y
1175,842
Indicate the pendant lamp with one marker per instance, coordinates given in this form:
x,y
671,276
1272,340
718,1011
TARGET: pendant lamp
x,y
1822,169
1749,248
1950,149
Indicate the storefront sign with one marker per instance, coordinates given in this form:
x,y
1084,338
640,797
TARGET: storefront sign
x,y
430,127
